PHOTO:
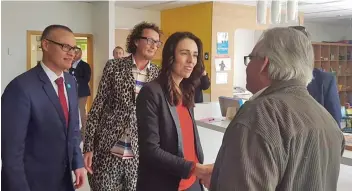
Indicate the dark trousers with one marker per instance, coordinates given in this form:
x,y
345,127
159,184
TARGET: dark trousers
x,y
196,186
67,181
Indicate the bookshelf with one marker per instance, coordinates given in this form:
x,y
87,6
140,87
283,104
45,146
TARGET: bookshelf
x,y
337,59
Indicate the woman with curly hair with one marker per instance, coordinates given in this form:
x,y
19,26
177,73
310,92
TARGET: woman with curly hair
x,y
113,114
171,155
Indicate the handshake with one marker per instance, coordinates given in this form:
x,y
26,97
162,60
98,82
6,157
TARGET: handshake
x,y
203,173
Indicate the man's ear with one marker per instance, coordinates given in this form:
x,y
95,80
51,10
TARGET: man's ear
x,y
44,45
265,65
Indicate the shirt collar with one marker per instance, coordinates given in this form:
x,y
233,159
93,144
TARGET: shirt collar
x,y
74,65
257,94
52,76
134,63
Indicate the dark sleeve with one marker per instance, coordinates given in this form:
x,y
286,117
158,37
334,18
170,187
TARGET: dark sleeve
x,y
86,74
245,162
77,161
204,82
332,100
148,135
15,117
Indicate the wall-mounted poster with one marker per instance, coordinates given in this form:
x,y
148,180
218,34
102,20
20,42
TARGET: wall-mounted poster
x,y
222,64
222,45
221,77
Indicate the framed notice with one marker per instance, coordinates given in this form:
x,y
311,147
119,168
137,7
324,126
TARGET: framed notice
x,y
221,77
222,45
222,64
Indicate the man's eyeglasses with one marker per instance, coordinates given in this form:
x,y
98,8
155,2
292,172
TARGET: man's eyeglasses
x,y
247,59
65,47
151,41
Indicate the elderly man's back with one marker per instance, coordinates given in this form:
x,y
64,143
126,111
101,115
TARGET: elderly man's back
x,y
281,140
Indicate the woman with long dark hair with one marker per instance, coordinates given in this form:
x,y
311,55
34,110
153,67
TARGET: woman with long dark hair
x,y
171,155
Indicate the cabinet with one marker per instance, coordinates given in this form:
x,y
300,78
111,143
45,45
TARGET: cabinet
x,y
336,58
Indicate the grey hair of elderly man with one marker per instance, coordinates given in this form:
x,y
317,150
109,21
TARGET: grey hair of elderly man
x,y
281,54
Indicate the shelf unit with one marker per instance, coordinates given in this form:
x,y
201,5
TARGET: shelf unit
x,y
337,59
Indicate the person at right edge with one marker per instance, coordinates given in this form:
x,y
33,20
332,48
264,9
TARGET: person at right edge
x,y
324,88
282,138
171,154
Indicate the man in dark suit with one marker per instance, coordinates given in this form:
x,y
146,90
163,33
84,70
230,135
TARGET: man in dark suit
x,y
324,90
40,124
82,72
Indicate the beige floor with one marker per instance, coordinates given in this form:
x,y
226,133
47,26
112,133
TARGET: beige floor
x,y
85,186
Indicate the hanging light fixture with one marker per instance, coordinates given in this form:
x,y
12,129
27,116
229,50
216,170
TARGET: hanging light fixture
x,y
261,11
292,10
283,11
275,11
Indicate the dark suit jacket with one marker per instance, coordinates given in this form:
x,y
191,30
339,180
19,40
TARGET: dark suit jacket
x,y
204,85
38,150
82,74
161,162
324,90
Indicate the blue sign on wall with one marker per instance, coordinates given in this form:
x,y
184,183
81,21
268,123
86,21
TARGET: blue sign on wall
x,y
222,48
222,45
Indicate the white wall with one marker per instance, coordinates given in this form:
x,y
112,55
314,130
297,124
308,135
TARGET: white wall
x,y
103,24
126,18
245,40
16,20
328,32
93,18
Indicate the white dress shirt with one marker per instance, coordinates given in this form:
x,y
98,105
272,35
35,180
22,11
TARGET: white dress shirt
x,y
52,77
140,76
74,65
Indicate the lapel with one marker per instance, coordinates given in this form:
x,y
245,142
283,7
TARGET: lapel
x,y
152,72
71,96
131,82
79,65
176,120
50,92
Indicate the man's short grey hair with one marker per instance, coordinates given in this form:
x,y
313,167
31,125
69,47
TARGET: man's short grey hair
x,y
290,54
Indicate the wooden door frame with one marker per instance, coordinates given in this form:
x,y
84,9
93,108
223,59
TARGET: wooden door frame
x,y
90,58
